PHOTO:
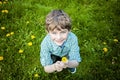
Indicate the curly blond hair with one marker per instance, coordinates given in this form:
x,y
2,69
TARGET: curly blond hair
x,y
57,19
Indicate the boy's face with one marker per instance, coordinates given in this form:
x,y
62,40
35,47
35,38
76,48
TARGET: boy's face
x,y
59,36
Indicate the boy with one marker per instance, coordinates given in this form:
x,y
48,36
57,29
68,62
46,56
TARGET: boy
x,y
59,42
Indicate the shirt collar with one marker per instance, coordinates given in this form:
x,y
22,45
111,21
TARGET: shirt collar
x,y
55,46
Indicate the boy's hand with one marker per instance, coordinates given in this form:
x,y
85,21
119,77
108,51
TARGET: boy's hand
x,y
58,66
63,65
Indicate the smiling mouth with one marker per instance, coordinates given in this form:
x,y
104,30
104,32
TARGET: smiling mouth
x,y
59,41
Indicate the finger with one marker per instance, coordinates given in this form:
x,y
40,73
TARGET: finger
x,y
57,66
58,62
59,69
63,65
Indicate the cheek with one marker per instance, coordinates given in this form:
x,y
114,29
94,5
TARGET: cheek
x,y
52,37
65,36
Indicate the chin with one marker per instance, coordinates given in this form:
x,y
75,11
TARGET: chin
x,y
59,44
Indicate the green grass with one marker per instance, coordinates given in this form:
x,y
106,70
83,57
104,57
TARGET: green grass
x,y
96,23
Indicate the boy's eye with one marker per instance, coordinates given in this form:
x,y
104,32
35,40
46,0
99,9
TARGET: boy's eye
x,y
63,32
53,32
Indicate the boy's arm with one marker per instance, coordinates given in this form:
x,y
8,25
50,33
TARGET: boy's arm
x,y
58,66
54,67
50,68
72,64
74,54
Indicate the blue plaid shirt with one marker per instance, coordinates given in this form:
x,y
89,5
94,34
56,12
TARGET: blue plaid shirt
x,y
70,48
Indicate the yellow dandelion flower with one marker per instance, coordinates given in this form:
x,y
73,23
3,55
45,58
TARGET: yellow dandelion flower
x,y
27,22
20,51
3,28
0,2
4,2
64,59
12,33
104,43
1,58
2,11
105,49
115,40
36,75
32,36
6,11
30,44
8,34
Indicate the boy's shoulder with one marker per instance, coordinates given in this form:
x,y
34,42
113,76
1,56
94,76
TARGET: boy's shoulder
x,y
72,36
46,39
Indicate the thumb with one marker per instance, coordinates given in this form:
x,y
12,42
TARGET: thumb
x,y
62,65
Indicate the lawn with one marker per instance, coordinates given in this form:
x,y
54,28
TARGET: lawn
x,y
22,28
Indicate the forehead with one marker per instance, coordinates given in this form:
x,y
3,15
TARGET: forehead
x,y
59,30
53,27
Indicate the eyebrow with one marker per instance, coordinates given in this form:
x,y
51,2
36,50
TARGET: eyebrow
x,y
63,29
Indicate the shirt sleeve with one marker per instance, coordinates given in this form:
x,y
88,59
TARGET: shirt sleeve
x,y
45,56
74,53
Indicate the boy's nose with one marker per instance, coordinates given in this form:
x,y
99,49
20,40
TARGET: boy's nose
x,y
58,36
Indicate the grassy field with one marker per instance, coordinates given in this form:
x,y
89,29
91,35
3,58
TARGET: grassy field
x,y
96,23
